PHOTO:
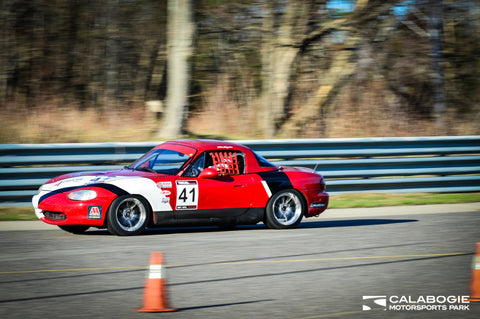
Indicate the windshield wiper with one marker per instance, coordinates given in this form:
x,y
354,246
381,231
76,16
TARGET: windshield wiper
x,y
145,169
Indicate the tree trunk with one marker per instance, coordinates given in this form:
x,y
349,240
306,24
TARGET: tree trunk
x,y
277,70
435,30
179,50
278,55
5,43
112,52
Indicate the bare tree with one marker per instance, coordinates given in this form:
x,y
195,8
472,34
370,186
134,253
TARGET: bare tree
x,y
278,53
298,27
430,13
180,31
435,30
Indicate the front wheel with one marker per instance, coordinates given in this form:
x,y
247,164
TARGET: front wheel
x,y
128,215
285,209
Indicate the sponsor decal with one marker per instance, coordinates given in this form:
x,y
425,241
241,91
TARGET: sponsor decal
x,y
187,195
186,183
416,303
94,212
83,181
165,184
166,193
186,207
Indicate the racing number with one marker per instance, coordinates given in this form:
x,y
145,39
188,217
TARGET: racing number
x,y
183,195
187,195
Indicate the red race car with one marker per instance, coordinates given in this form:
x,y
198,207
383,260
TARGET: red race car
x,y
185,182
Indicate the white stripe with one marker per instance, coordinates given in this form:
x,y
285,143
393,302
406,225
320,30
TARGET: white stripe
x,y
267,189
145,187
156,272
476,263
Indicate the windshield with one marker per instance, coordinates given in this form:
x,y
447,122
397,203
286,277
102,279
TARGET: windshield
x,y
162,161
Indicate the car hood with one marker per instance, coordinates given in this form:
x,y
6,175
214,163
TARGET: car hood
x,y
79,179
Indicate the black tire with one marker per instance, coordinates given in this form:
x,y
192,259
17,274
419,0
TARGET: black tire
x,y
285,209
128,215
74,229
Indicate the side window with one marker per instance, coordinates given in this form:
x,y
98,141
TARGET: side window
x,y
227,162
196,167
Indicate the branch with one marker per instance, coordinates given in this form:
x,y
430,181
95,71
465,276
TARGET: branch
x,y
364,11
325,30
415,28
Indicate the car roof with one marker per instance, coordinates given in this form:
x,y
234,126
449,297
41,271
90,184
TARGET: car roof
x,y
202,145
209,145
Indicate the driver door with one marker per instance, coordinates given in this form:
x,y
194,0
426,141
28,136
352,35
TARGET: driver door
x,y
227,194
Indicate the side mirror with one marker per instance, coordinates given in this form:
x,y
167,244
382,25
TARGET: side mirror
x,y
208,173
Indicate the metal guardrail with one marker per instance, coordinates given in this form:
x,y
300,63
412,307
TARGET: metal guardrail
x,y
409,164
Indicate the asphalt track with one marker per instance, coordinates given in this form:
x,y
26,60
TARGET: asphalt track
x,y
323,269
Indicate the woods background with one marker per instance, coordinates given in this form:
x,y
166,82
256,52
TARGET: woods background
x,y
88,70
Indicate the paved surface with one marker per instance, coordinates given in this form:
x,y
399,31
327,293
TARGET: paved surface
x,y
323,269
328,214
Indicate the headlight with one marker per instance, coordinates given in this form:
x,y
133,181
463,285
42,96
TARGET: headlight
x,y
84,194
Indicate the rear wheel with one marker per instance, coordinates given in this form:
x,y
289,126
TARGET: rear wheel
x,y
128,215
285,209
74,229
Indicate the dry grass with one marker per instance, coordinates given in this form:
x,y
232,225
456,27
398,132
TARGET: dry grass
x,y
221,117
71,125
370,111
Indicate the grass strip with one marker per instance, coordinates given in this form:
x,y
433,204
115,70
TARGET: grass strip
x,y
17,213
386,199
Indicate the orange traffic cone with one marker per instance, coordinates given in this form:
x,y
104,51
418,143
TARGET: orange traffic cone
x,y
475,283
155,294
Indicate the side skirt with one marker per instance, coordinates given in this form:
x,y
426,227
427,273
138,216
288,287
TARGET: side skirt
x,y
232,216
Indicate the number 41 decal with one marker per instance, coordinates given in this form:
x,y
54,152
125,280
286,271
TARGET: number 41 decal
x,y
187,195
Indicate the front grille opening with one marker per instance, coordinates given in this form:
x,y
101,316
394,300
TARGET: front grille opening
x,y
55,215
